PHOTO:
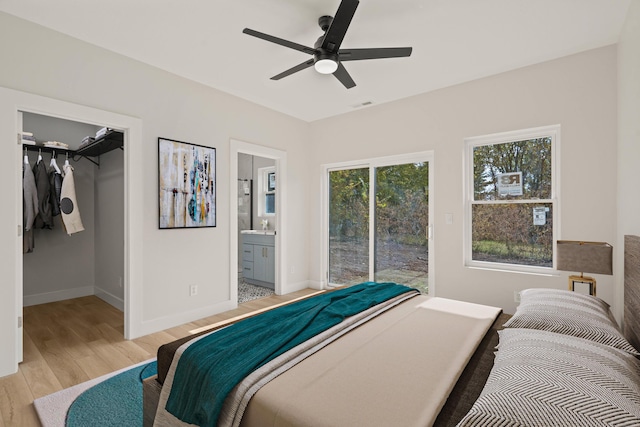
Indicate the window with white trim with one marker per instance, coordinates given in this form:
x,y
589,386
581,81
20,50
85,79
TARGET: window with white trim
x,y
511,199
267,191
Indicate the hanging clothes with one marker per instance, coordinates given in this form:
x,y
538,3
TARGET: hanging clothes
x,y
44,218
68,203
55,183
29,206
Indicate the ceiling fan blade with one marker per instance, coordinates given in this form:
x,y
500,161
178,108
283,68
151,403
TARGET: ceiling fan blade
x,y
292,70
281,42
374,53
344,77
339,26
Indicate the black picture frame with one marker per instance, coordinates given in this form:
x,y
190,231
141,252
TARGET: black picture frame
x,y
186,185
271,181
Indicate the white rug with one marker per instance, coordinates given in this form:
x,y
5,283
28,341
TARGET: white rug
x,y
52,409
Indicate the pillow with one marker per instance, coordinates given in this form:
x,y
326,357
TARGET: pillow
x,y
569,313
542,378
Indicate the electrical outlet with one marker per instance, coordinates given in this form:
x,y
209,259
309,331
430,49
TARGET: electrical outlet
x,y
193,290
120,282
516,296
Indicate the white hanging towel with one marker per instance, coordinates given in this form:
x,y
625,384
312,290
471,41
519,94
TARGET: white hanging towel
x,y
68,204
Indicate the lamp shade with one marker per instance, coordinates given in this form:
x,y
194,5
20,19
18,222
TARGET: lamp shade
x,y
585,257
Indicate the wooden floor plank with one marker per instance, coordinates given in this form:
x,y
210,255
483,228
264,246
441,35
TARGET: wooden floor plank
x,y
39,334
64,367
115,359
94,366
29,349
179,331
16,402
85,330
41,379
134,352
150,343
74,345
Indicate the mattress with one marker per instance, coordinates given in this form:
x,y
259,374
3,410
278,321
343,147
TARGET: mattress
x,y
397,369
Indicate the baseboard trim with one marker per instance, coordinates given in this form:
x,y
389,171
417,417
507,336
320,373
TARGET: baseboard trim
x,y
109,298
314,284
55,296
293,287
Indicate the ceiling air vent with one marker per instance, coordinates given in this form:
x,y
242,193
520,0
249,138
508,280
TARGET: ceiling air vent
x,y
362,104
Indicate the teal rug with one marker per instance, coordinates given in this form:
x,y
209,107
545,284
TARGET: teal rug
x,y
112,400
116,401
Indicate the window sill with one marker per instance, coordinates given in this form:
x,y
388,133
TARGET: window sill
x,y
508,268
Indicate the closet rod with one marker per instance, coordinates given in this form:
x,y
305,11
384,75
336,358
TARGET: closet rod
x,y
57,150
45,149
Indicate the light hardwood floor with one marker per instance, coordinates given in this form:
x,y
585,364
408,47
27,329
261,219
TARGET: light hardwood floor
x,y
70,342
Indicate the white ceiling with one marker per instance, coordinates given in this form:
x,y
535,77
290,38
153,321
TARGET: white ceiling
x,y
453,41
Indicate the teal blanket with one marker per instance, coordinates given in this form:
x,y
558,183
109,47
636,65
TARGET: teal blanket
x,y
212,366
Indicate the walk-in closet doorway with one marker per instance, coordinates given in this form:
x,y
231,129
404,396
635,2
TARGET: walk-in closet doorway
x,y
13,105
75,248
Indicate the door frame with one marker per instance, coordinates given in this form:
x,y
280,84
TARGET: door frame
x,y
12,104
280,158
372,163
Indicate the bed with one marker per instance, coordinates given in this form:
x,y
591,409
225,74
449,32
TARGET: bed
x,y
561,360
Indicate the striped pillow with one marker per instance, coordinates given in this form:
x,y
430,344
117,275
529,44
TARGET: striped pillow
x,y
569,313
541,378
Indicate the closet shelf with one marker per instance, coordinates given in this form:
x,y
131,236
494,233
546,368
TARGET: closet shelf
x,y
110,141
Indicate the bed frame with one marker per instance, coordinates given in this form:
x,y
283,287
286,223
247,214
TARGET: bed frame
x,y
632,289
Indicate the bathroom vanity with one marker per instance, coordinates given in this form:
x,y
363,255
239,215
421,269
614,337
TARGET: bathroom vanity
x,y
258,258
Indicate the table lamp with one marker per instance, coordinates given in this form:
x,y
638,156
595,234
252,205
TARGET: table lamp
x,y
585,257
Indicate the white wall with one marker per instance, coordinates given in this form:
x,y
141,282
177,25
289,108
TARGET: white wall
x,y
578,92
56,66
629,135
109,228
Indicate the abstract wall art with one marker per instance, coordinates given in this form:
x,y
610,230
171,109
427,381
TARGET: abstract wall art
x,y
187,184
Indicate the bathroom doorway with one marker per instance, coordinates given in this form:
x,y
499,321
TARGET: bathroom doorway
x,y
256,216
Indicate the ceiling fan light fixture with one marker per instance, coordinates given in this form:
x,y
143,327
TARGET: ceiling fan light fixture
x,y
327,55
326,66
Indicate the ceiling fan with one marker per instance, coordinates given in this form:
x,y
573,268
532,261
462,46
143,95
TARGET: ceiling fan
x,y
327,55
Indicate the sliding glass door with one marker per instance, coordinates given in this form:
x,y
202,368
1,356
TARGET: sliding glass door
x,y
349,226
402,224
378,222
